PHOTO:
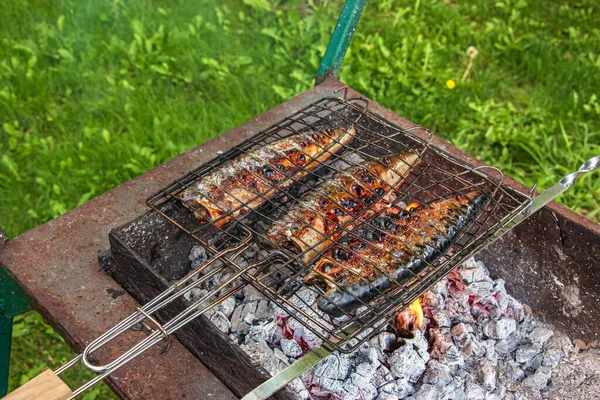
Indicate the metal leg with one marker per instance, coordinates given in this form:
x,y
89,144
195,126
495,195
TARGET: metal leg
x,y
340,40
12,303
5,339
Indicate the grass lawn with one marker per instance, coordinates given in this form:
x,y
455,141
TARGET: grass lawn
x,y
93,94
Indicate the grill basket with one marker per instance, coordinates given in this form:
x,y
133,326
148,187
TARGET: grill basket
x,y
245,254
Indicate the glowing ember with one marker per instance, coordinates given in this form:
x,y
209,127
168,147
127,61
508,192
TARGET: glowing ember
x,y
412,206
411,318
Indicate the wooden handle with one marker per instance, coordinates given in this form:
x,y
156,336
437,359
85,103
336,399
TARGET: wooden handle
x,y
45,386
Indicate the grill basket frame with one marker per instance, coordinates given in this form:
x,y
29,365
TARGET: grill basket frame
x,y
375,137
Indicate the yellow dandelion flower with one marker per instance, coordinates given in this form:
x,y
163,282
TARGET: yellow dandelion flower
x,y
450,84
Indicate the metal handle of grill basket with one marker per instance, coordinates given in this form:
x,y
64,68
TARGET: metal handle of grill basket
x,y
163,332
544,198
290,373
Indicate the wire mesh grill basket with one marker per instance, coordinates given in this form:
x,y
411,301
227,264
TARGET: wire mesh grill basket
x,y
244,253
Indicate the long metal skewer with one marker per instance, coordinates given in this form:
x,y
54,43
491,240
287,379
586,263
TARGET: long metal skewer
x,y
290,373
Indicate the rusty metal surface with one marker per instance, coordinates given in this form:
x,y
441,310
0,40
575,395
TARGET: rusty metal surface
x,y
57,262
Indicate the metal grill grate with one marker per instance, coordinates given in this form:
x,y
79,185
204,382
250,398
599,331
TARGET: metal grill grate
x,y
238,239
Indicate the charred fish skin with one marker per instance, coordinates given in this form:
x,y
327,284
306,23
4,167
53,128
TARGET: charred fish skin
x,y
305,228
246,181
353,291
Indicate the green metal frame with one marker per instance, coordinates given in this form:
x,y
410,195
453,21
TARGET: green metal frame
x,y
13,302
340,40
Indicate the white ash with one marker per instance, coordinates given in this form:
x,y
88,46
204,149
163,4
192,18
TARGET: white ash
x,y
539,379
478,343
198,256
500,329
227,306
195,294
290,348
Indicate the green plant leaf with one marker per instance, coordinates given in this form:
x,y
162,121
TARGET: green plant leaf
x,y
66,54
60,23
106,135
259,4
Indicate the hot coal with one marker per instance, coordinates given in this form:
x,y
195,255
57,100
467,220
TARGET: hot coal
x,y
477,343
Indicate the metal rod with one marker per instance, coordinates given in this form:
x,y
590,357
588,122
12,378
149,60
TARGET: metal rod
x,y
278,381
5,342
340,40
544,198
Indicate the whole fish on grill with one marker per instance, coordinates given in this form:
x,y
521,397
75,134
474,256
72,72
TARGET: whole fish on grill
x,y
309,227
246,181
389,250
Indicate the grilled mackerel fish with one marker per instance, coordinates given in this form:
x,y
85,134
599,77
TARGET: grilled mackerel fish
x,y
245,182
388,251
311,225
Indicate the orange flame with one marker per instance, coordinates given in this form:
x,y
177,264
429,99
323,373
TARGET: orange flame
x,y
412,206
411,318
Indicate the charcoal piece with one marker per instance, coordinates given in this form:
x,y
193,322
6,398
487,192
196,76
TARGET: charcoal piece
x,y
291,348
474,391
539,379
384,343
551,357
359,387
532,365
441,319
236,318
405,363
540,335
437,374
433,300
487,376
198,256
455,391
500,329
473,272
526,353
381,377
279,354
252,294
249,318
227,306
427,392
460,335
263,310
262,332
395,390
514,373
443,347
262,353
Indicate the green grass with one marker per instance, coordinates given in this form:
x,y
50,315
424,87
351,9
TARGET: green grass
x,y
93,94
